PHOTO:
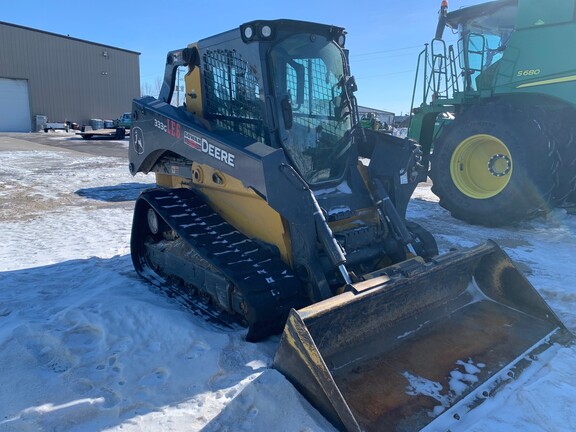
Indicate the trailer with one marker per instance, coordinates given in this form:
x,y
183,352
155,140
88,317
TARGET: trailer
x,y
116,133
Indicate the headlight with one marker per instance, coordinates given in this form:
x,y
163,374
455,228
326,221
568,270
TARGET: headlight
x,y
265,31
248,32
257,30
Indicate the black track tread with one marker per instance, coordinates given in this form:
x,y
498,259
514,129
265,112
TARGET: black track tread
x,y
268,286
565,135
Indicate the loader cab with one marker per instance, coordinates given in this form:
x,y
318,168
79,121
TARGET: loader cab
x,y
284,83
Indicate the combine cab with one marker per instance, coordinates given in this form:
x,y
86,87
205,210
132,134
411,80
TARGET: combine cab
x,y
276,210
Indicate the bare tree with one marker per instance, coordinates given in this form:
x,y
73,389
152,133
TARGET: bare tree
x,y
151,89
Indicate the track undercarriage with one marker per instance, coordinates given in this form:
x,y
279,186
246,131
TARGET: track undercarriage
x,y
180,242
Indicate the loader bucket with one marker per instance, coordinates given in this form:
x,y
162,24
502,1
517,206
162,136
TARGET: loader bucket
x,y
412,341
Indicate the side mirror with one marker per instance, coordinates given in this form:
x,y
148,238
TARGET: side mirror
x,y
351,84
287,112
342,105
300,79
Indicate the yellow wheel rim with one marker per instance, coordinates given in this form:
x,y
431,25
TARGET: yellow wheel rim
x,y
481,166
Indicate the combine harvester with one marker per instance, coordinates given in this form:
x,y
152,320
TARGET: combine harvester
x,y
275,209
510,152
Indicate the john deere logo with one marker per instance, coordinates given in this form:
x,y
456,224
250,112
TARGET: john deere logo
x,y
137,140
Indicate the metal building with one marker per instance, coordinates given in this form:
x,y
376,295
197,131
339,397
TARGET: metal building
x,y
63,78
384,116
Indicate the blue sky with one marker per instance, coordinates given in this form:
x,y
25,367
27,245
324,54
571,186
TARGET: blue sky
x,y
384,37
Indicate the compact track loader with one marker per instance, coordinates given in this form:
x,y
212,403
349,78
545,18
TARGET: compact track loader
x,y
275,209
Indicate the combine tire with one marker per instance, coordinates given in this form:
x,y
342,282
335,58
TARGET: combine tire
x,y
565,134
495,165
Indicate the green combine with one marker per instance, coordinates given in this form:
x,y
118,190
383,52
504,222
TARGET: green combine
x,y
510,152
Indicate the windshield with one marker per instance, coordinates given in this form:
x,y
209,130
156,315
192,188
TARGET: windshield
x,y
484,40
308,73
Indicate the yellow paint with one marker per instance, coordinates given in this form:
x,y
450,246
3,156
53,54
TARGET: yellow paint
x,y
243,208
310,354
549,81
193,83
240,206
361,217
481,166
170,181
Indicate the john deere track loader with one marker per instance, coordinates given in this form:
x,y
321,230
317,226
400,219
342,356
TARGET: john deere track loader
x,y
510,152
274,209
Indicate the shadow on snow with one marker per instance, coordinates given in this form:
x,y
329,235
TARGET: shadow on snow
x,y
118,193
88,344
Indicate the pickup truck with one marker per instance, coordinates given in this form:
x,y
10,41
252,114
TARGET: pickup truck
x,y
54,125
124,121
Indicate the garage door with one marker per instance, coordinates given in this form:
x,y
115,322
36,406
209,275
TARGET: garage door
x,y
14,106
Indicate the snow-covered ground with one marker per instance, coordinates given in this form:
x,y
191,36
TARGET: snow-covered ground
x,y
87,346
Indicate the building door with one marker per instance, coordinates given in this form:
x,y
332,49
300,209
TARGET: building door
x,y
14,106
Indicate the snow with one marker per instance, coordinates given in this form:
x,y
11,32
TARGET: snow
x,y
88,346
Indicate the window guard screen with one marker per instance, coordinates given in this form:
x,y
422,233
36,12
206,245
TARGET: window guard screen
x,y
232,93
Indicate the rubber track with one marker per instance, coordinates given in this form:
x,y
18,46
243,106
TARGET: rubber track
x,y
267,285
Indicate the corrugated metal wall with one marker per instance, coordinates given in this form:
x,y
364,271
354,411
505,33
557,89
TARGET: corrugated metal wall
x,y
69,79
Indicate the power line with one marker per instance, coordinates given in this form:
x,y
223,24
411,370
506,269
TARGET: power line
x,y
377,58
421,46
387,51
359,77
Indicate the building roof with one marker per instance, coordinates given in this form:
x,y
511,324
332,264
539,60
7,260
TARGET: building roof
x,y
374,110
68,37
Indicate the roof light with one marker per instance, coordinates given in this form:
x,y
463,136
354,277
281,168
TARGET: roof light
x,y
248,32
257,30
266,31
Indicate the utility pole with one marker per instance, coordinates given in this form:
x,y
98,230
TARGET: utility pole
x,y
178,87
